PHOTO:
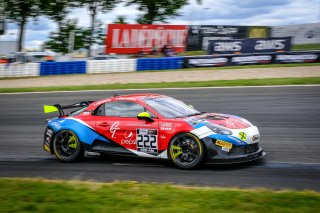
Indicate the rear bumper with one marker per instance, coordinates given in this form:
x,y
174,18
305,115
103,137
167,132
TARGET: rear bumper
x,y
218,159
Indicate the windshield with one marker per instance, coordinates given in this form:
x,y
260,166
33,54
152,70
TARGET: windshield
x,y
170,108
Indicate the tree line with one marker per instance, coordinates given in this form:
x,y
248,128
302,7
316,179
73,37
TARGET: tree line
x,y
23,11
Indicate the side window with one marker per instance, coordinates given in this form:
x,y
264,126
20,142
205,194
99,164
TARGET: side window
x,y
100,111
123,109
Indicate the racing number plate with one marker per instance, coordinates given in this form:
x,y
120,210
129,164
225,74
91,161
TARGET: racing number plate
x,y
147,141
224,144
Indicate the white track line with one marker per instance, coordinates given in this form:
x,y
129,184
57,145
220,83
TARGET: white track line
x,y
178,88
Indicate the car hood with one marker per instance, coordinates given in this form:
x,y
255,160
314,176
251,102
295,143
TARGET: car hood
x,y
227,121
241,130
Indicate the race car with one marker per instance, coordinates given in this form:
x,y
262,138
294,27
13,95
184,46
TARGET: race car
x,y
151,126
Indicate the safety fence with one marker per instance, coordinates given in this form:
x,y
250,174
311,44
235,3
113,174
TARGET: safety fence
x,y
131,65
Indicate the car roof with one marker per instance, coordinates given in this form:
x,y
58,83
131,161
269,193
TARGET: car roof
x,y
136,96
129,97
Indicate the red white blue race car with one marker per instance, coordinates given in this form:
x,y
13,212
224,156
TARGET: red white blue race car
x,y
152,126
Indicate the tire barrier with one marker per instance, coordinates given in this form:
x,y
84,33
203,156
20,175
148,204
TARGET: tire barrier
x,y
62,68
19,70
131,65
114,65
159,63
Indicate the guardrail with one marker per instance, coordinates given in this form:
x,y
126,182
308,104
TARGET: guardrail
x,y
131,65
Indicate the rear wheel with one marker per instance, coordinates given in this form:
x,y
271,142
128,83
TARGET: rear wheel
x,y
66,146
186,151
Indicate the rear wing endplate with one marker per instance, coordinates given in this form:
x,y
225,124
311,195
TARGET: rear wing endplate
x,y
59,108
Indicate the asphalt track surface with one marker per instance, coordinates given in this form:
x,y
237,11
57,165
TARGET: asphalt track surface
x,y
288,119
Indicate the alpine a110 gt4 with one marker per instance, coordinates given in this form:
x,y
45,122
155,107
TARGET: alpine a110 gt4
x,y
151,126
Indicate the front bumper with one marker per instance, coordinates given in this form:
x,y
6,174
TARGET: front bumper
x,y
218,159
237,154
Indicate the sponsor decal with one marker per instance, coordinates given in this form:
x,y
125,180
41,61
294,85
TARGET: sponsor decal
x,y
256,137
270,44
128,138
227,46
230,123
242,135
208,62
194,121
91,154
147,141
260,59
166,126
258,32
250,45
114,128
297,58
87,113
131,38
56,125
138,124
226,146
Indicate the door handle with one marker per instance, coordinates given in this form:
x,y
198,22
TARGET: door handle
x,y
103,124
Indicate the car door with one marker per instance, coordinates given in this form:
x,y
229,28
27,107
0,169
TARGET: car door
x,y
118,122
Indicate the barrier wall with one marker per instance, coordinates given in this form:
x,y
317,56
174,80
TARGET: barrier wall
x,y
19,70
107,66
159,63
62,68
131,65
251,59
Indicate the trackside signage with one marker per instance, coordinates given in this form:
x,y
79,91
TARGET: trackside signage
x,y
132,38
257,45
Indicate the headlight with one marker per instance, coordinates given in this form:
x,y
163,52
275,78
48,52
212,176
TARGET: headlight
x,y
219,129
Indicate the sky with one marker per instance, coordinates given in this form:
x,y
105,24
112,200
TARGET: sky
x,y
215,12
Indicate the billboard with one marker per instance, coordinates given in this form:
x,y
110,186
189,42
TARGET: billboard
x,y
256,45
199,35
132,38
251,58
301,33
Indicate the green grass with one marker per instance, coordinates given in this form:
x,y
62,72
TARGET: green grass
x,y
219,83
25,195
299,47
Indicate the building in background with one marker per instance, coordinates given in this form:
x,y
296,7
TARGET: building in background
x,y
301,33
7,47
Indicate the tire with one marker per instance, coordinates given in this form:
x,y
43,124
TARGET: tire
x,y
66,146
186,151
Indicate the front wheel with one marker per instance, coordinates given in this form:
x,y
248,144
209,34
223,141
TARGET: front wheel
x,y
186,151
66,146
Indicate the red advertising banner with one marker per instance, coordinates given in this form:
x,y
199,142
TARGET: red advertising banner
x,y
132,38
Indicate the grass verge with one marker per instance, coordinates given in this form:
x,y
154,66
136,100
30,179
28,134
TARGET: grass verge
x,y
218,83
26,195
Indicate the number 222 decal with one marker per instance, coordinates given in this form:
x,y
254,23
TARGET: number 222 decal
x,y
147,141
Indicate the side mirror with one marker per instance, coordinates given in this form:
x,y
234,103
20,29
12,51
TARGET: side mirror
x,y
144,116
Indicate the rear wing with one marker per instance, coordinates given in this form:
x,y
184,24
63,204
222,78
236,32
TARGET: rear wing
x,y
59,108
